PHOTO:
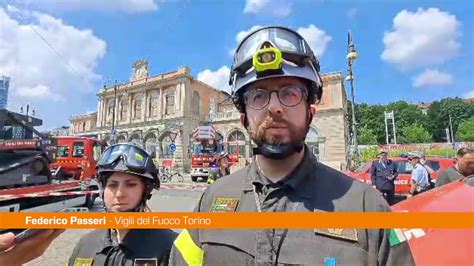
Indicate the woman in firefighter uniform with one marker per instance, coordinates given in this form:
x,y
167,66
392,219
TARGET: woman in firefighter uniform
x,y
275,82
219,168
127,176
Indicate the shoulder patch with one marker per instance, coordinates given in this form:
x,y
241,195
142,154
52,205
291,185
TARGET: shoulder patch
x,y
83,261
343,233
224,204
145,262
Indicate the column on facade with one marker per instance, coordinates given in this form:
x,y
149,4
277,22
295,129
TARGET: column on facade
x,y
99,103
117,108
183,97
100,112
105,111
161,103
144,105
129,109
177,97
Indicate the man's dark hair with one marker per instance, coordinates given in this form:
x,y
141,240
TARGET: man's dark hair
x,y
464,150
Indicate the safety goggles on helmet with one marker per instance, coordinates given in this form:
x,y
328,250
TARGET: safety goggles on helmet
x,y
272,44
274,52
134,158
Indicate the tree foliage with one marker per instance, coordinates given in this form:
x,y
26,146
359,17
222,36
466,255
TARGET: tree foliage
x,y
415,133
440,112
466,130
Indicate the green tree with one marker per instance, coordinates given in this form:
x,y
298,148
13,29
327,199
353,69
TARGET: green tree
x,y
466,130
367,136
415,133
369,117
440,111
406,116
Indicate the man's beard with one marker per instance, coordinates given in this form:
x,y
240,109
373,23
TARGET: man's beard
x,y
260,135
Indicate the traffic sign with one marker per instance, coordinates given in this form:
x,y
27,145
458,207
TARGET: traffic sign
x,y
172,147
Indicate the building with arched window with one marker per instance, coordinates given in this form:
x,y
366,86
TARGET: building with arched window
x,y
156,111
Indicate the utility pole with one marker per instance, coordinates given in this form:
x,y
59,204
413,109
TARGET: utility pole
x,y
351,57
113,114
451,129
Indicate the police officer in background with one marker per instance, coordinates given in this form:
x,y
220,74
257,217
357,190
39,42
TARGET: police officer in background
x,y
383,175
419,175
127,176
275,80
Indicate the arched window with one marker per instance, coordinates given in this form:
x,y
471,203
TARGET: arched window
x,y
312,140
121,139
236,143
123,109
135,139
154,104
165,146
151,145
137,107
169,102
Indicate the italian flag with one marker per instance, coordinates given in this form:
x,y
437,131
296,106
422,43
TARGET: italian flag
x,y
396,237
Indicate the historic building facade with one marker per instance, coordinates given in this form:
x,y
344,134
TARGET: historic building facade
x,y
155,111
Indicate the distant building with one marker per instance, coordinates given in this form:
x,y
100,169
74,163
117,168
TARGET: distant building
x,y
425,106
148,109
60,131
4,85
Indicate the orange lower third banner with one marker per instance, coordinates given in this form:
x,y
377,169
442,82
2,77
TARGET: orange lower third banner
x,y
238,220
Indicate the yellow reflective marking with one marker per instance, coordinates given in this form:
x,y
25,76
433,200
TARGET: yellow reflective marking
x,y
192,253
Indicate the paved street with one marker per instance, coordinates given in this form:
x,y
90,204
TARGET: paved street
x,y
174,197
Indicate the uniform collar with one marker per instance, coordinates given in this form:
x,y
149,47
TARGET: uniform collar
x,y
129,241
298,180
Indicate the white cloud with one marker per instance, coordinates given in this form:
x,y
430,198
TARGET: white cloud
x,y
317,39
424,38
38,75
468,95
277,8
39,91
352,13
240,36
432,77
218,79
126,6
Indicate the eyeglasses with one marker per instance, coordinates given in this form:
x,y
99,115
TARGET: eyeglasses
x,y
288,96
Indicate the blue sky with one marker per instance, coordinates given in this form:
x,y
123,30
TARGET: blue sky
x,y
408,50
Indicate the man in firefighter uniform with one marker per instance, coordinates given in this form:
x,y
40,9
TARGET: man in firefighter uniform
x,y
275,80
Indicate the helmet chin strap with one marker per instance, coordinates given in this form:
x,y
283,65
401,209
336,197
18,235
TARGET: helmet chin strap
x,y
277,151
280,151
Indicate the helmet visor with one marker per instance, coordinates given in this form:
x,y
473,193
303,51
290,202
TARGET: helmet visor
x,y
134,158
284,39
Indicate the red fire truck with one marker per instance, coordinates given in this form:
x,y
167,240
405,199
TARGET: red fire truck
x,y
207,144
77,157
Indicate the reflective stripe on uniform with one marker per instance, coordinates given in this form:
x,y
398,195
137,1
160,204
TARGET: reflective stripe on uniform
x,y
192,253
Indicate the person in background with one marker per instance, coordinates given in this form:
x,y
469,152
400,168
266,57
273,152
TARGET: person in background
x,y
466,161
419,176
449,174
13,254
383,175
428,169
127,176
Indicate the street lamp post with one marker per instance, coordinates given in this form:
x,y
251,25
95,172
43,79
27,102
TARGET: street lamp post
x,y
351,57
113,114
